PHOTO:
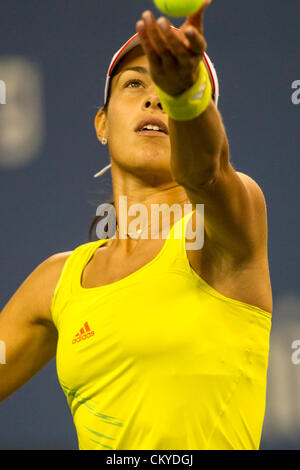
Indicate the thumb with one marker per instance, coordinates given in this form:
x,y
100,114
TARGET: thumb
x,y
196,19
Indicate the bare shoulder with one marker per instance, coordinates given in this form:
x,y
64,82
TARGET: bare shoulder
x,y
45,278
255,191
53,265
234,256
32,300
50,269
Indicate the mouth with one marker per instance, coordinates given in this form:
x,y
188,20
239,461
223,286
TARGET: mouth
x,y
152,128
151,133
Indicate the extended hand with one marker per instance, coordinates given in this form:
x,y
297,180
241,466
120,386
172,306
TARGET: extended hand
x,y
173,55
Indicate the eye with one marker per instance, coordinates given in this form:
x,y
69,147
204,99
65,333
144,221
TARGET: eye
x,y
130,82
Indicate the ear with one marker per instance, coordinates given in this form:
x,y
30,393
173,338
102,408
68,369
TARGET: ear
x,y
100,124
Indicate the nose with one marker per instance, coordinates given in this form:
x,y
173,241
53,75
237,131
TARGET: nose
x,y
153,101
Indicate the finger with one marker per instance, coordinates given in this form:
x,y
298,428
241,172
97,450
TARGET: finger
x,y
147,46
196,19
158,40
178,46
198,44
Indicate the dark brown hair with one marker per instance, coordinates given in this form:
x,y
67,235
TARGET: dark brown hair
x,y
97,218
95,221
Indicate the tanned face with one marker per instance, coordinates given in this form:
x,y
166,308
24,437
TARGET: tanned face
x,y
134,98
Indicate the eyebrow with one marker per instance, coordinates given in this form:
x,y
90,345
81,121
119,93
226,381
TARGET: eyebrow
x,y
138,69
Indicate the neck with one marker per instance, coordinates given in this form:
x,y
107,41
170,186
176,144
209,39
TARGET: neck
x,y
135,202
137,217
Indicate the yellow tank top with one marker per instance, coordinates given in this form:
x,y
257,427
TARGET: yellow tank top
x,y
159,359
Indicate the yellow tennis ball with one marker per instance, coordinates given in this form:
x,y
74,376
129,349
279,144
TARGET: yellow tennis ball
x,y
178,7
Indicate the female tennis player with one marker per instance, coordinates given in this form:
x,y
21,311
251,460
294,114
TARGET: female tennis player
x,y
158,346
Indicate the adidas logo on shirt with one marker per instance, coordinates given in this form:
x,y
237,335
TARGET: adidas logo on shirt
x,y
84,333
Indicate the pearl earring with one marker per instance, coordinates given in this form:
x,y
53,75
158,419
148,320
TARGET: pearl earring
x,y
104,141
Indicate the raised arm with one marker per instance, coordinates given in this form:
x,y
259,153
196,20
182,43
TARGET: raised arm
x,y
235,208
26,328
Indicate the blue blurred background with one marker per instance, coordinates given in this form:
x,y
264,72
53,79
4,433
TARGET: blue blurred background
x,y
53,59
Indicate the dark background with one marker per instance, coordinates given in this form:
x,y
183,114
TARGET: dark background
x,y
46,196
